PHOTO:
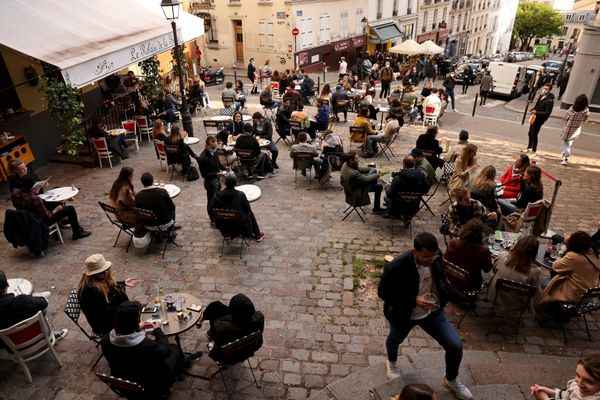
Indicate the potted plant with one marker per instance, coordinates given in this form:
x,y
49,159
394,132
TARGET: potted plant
x,y
32,75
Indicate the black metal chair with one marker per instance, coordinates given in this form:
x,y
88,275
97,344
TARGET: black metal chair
x,y
73,311
295,129
358,136
303,162
513,290
407,204
214,126
386,145
158,232
124,388
229,224
445,228
457,280
246,160
113,216
589,302
352,207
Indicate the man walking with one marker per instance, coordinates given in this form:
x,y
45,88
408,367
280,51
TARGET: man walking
x,y
540,114
467,76
211,169
449,83
385,76
487,84
414,293
343,68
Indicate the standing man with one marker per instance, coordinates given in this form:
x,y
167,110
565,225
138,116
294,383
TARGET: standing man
x,y
414,293
211,169
449,83
467,76
385,76
343,68
252,76
487,84
540,114
263,128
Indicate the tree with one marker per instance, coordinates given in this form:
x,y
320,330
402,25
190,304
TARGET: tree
x,y
536,20
151,70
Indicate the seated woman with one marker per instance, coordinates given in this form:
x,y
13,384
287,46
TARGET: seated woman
x,y
235,127
117,144
241,93
468,252
585,385
100,294
415,391
234,322
177,151
367,102
576,272
483,189
512,179
466,168
325,93
266,98
532,191
517,265
122,196
158,131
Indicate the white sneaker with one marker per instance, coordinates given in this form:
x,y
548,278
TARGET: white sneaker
x,y
563,162
392,370
526,150
59,335
42,294
460,391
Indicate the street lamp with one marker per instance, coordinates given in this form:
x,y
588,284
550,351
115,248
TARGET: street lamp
x,y
171,10
364,22
562,67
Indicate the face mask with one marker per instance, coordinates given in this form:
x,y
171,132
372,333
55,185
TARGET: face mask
x,y
387,65
212,151
544,91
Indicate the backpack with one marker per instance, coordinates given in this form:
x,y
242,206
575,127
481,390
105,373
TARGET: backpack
x,y
192,174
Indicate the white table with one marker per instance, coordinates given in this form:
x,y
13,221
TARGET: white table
x,y
173,190
19,286
261,143
60,194
191,140
246,118
382,110
252,192
117,131
220,118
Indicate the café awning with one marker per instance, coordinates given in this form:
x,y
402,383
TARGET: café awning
x,y
384,33
91,39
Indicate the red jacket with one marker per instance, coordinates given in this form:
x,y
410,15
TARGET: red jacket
x,y
512,184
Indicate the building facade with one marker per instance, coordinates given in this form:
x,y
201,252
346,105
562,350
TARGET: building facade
x,y
432,24
458,28
574,22
589,5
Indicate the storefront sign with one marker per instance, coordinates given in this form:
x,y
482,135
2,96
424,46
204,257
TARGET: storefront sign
x,y
303,58
342,45
426,36
358,41
442,34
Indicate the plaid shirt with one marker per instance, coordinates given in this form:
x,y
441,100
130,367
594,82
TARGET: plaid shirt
x,y
476,210
572,121
29,201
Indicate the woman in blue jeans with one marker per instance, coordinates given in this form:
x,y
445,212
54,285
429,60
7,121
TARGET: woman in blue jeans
x,y
533,191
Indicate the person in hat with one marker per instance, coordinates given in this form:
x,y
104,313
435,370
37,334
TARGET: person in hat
x,y
153,364
100,293
14,309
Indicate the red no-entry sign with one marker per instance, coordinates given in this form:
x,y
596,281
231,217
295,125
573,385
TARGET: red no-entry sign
x,y
295,31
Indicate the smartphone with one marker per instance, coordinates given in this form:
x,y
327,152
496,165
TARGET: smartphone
x,y
194,307
149,309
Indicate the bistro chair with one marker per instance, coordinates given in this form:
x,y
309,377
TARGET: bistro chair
x,y
157,232
162,154
284,134
246,161
303,161
519,293
430,117
55,229
353,206
267,106
407,206
130,134
214,127
531,214
295,128
174,160
228,102
123,387
73,311
386,145
143,126
358,136
28,340
341,106
589,302
457,280
102,150
229,224
113,216
445,227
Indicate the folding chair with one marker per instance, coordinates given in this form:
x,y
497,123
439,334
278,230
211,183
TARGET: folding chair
x,y
143,126
341,106
216,125
445,228
122,387
386,146
174,158
352,207
55,228
512,290
28,340
158,232
73,311
229,223
246,160
267,105
457,280
358,135
430,116
102,150
428,196
113,216
130,134
407,108
295,128
162,154
302,162
405,202
228,102
589,302
531,213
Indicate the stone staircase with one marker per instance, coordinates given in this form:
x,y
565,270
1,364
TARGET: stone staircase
x,y
489,375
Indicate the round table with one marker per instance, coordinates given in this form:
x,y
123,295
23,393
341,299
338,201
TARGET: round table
x,y
60,194
382,110
220,118
191,140
116,132
252,192
173,190
246,118
19,286
177,326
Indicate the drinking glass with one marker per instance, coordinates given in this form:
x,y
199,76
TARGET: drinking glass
x,y
432,298
492,239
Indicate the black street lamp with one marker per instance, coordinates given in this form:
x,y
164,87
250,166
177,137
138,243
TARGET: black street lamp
x,y
364,22
171,10
564,63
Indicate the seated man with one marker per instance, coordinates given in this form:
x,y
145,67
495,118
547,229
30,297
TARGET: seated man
x,y
338,96
321,119
303,147
153,364
247,141
14,309
359,181
410,98
232,199
292,94
264,129
424,165
410,180
392,123
26,200
465,209
282,120
432,100
428,143
229,92
155,199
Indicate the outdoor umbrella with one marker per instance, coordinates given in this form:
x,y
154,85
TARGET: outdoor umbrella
x,y
409,47
431,48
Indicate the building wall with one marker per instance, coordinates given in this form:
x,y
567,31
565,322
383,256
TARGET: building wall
x,y
574,22
407,18
431,14
589,5
557,4
29,96
506,20
458,28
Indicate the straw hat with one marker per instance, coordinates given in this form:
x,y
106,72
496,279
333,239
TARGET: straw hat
x,y
95,264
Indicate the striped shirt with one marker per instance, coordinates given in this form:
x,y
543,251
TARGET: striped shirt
x,y
573,121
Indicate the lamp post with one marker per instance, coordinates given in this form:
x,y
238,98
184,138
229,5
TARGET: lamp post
x,y
364,22
562,67
171,10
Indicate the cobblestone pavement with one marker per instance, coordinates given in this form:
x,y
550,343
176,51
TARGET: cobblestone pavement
x,y
318,329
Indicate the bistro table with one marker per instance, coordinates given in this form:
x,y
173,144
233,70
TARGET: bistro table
x,y
19,286
383,111
252,192
60,194
191,140
261,142
173,190
116,131
220,118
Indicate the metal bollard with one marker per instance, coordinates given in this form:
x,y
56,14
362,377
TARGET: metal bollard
x,y
234,73
318,84
475,104
525,112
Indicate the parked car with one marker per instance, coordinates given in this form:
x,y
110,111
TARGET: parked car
x,y
497,57
475,67
509,78
530,72
529,55
552,66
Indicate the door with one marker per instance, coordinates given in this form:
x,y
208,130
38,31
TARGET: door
x,y
239,40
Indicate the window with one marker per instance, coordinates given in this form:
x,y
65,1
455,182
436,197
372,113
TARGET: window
x,y
581,17
444,15
409,30
565,29
568,17
379,8
458,23
395,9
424,27
265,35
306,34
210,27
358,29
451,23
344,24
324,28
435,13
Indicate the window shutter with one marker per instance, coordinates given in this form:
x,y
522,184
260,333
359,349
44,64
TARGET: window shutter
x,y
270,40
262,36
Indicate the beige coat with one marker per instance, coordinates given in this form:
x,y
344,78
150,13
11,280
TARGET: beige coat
x,y
575,275
125,203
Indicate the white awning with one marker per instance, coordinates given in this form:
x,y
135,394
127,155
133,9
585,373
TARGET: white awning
x,y
91,39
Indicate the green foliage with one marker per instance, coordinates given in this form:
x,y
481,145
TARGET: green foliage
x,y
151,70
67,109
184,63
536,20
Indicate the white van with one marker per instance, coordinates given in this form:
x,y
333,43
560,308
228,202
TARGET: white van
x,y
509,79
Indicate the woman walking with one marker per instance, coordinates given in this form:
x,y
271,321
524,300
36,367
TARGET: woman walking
x,y
572,121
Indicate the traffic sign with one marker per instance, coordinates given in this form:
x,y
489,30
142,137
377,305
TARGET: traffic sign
x,y
295,31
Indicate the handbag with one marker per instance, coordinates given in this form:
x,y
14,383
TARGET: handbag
x,y
532,119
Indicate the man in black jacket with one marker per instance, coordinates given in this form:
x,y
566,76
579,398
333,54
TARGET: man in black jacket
x,y
427,141
449,84
264,129
153,364
414,293
541,112
155,199
247,141
211,169
408,180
